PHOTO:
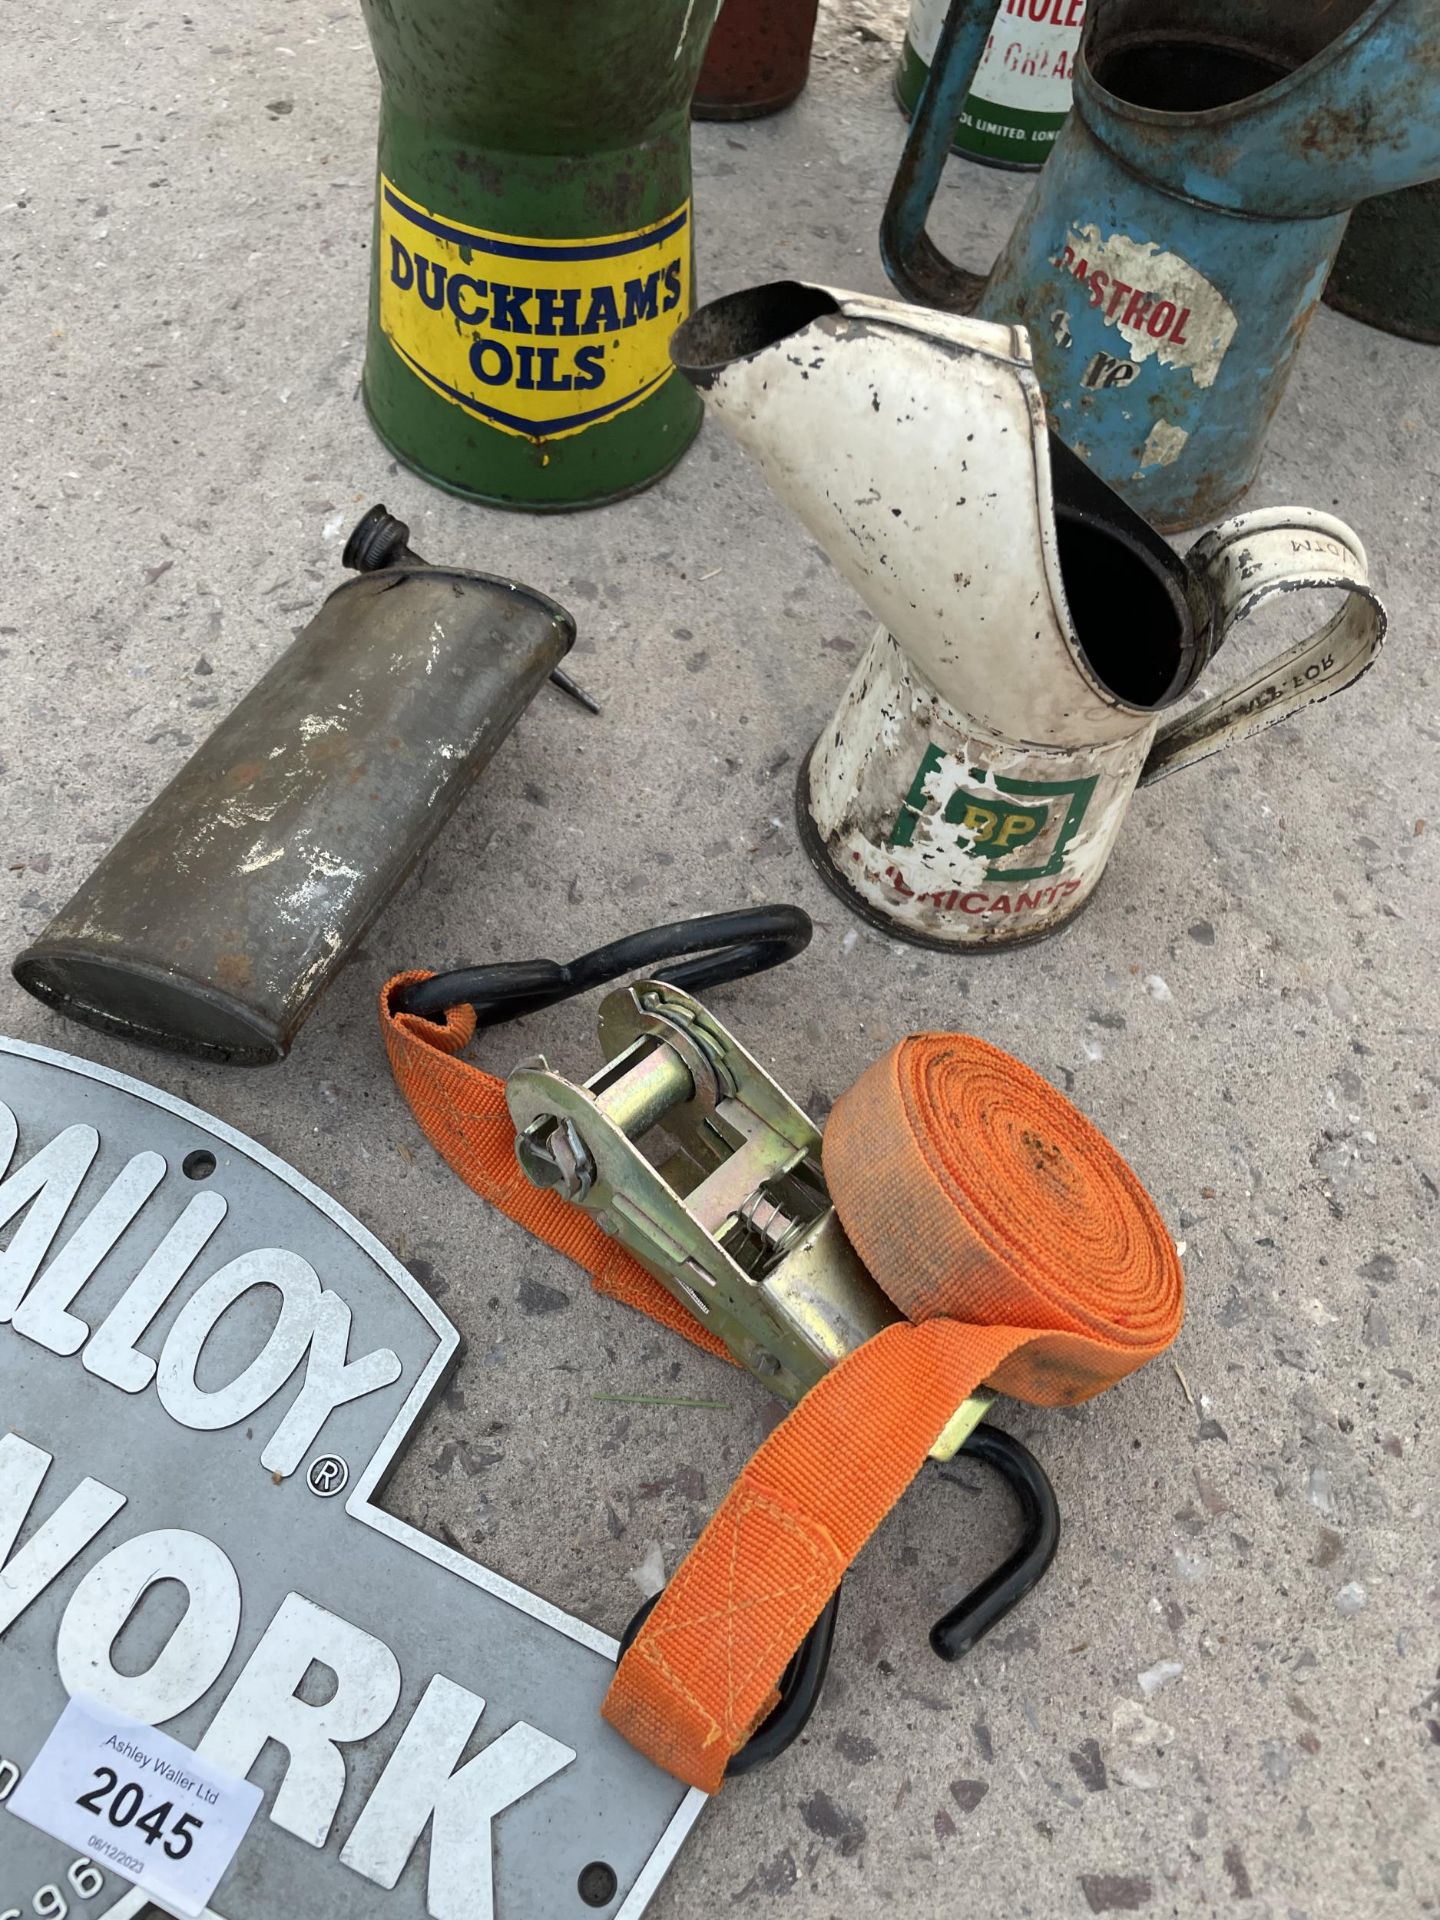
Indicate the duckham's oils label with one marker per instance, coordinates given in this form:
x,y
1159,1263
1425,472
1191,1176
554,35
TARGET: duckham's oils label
x,y
538,337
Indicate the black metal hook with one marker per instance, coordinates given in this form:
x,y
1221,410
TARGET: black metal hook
x,y
800,1687
985,1606
748,941
953,1634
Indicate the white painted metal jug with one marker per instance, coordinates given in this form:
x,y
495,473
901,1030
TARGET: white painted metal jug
x,y
1036,632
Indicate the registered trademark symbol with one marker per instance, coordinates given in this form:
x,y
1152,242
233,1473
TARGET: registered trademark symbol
x,y
328,1475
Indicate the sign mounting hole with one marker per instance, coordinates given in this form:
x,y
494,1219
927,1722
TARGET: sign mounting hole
x,y
198,1165
597,1883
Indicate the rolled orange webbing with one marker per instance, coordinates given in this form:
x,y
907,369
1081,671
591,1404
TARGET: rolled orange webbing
x,y
1025,1253
1021,1247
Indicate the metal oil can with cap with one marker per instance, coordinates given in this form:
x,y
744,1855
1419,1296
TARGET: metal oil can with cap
x,y
215,923
533,247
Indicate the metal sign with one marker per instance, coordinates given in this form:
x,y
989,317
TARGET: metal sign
x,y
207,1371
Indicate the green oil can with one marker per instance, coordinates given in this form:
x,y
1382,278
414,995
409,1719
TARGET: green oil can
x,y
1387,272
1021,91
533,249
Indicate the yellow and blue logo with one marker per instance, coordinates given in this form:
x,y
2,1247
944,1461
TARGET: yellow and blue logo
x,y
538,337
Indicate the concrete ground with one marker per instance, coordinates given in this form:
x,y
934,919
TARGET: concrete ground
x,y
1225,1695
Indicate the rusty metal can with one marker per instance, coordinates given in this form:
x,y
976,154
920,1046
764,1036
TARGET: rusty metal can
x,y
215,923
758,59
1021,92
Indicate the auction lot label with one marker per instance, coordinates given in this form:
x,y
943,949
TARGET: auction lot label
x,y
119,1791
207,1368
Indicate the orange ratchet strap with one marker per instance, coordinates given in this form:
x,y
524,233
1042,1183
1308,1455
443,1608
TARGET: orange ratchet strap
x,y
463,1115
1020,1245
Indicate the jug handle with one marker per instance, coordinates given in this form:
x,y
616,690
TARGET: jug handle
x,y
914,263
1242,563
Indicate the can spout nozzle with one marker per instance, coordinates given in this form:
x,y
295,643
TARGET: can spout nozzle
x,y
380,540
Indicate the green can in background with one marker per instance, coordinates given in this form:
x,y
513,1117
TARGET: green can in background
x,y
1387,272
1022,85
533,248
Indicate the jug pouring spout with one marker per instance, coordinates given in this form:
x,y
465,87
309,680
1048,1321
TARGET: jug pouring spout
x,y
914,447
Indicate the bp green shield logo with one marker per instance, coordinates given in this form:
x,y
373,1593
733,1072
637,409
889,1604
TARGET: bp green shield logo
x,y
1021,828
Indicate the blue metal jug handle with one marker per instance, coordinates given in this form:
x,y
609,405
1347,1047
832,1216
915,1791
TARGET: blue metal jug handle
x,y
913,261
1242,563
